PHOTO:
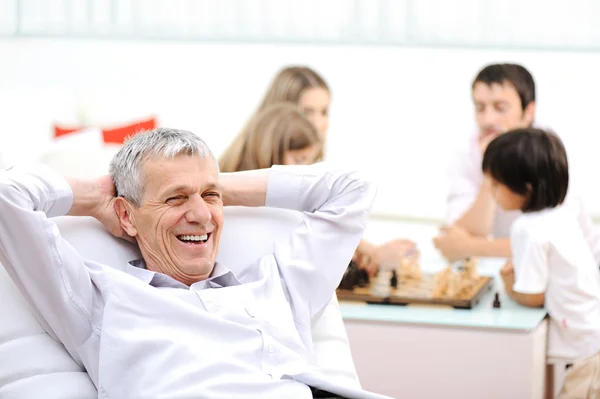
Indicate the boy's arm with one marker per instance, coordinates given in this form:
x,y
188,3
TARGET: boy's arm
x,y
531,300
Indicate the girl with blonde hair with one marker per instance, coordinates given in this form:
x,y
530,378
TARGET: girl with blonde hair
x,y
277,135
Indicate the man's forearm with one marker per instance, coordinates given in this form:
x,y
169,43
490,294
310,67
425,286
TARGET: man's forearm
x,y
478,220
494,248
86,197
247,188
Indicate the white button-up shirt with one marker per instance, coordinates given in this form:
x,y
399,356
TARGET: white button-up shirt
x,y
144,335
465,178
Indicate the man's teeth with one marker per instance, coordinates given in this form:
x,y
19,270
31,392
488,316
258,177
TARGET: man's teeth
x,y
203,237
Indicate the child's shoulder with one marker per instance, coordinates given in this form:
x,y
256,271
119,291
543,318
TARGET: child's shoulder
x,y
542,225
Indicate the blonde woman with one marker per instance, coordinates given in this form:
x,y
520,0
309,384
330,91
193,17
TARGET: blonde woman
x,y
277,135
306,89
298,85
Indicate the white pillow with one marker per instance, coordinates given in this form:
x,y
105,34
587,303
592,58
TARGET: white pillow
x,y
81,154
32,364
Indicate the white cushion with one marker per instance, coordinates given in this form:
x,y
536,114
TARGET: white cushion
x,y
81,154
28,114
32,364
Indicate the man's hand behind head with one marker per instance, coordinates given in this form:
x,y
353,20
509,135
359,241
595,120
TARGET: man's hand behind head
x,y
106,212
96,198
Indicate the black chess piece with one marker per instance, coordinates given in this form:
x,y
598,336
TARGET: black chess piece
x,y
496,303
394,280
363,278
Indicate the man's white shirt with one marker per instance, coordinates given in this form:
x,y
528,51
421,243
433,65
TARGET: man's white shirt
x,y
140,334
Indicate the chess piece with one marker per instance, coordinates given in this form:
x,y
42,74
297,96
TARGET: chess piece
x,y
471,269
453,285
440,282
363,278
496,303
394,280
381,287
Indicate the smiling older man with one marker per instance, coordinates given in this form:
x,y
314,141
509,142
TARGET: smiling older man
x,y
177,324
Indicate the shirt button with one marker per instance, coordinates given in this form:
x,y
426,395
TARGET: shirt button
x,y
271,348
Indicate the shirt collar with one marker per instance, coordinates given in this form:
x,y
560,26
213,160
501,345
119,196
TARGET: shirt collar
x,y
220,277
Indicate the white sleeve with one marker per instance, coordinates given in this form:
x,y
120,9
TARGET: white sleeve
x,y
335,206
463,182
589,230
46,269
530,259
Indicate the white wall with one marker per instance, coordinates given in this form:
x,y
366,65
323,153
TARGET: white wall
x,y
396,112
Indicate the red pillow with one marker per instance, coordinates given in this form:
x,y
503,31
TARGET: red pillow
x,y
115,135
62,131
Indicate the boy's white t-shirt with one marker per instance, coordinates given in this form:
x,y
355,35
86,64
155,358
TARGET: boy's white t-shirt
x,y
551,256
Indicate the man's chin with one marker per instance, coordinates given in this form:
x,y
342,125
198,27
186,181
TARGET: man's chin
x,y
201,268
490,134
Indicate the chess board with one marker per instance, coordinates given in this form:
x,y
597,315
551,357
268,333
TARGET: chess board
x,y
411,291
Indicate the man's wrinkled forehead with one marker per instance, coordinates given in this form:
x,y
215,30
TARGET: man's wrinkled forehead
x,y
165,174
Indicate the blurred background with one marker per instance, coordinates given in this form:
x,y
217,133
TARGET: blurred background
x,y
400,73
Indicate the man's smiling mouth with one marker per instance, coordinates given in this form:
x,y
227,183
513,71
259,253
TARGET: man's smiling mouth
x,y
194,239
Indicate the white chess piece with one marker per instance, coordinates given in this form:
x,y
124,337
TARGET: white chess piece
x,y
381,287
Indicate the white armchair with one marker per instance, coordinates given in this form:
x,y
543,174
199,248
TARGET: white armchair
x,y
34,365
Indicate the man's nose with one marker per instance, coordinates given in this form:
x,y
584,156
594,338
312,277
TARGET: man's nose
x,y
198,211
489,117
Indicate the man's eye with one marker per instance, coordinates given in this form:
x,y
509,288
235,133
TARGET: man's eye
x,y
177,199
211,194
501,107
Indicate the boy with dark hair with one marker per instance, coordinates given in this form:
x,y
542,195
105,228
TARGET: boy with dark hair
x,y
552,264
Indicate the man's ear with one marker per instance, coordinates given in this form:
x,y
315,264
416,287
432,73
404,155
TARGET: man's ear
x,y
124,208
529,113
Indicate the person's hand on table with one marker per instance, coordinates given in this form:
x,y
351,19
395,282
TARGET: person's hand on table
x,y
507,273
392,253
454,243
363,258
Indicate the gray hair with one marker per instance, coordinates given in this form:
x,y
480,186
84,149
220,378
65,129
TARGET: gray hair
x,y
126,166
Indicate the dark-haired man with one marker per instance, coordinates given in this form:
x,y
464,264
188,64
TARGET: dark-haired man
x,y
504,99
